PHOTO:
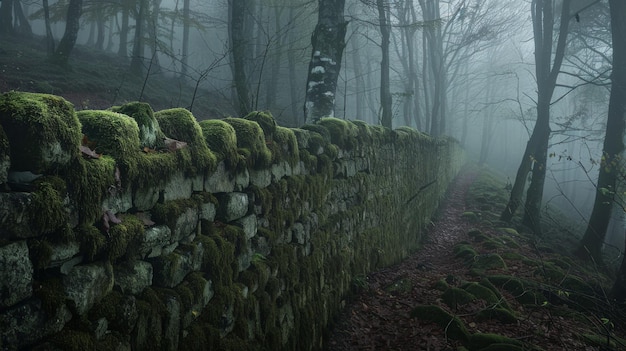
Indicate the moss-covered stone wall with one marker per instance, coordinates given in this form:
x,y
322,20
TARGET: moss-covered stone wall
x,y
133,229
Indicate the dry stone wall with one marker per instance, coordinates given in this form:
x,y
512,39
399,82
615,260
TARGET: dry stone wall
x,y
129,229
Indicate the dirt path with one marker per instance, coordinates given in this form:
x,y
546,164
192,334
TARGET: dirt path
x,y
378,319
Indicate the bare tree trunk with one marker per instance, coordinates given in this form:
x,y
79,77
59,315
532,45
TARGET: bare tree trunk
x,y
136,62
547,67
72,25
357,67
123,49
49,37
385,93
23,28
613,151
328,43
293,82
6,17
185,59
238,48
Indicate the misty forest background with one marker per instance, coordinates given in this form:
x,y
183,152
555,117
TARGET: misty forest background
x,y
525,86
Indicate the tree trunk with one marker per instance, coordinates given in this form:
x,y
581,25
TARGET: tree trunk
x,y
49,37
293,82
23,28
613,150
547,67
136,62
123,49
185,59
385,93
359,88
100,26
6,17
72,25
238,49
328,43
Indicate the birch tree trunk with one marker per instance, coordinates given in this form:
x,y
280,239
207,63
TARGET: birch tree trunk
x,y
328,43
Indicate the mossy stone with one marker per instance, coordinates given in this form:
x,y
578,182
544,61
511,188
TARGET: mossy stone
x,y
453,326
522,290
42,131
113,134
265,120
342,133
251,142
150,132
286,146
454,297
482,292
74,340
488,261
47,206
221,138
470,216
180,124
466,251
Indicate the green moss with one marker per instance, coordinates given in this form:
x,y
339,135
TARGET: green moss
x,y
286,146
92,241
180,124
470,216
522,290
320,132
465,251
73,340
454,297
453,326
479,341
47,206
250,137
43,131
601,340
88,184
124,237
265,120
169,212
488,261
221,138
52,295
150,133
482,292
113,134
342,133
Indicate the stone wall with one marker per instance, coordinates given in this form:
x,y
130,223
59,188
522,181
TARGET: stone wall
x,y
129,229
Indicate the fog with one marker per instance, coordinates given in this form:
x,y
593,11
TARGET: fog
x,y
462,68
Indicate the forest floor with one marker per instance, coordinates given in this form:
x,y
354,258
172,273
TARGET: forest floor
x,y
95,79
478,284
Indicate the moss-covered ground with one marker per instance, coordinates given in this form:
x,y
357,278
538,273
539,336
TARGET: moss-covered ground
x,y
480,284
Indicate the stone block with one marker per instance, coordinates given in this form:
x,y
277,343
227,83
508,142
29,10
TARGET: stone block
x,y
118,201
261,178
280,170
153,241
16,274
242,180
133,277
63,252
145,198
249,225
85,285
170,270
177,187
232,206
207,211
27,323
199,303
219,181
298,234
186,224
15,216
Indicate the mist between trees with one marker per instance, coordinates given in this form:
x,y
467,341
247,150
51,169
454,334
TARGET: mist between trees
x,y
534,89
